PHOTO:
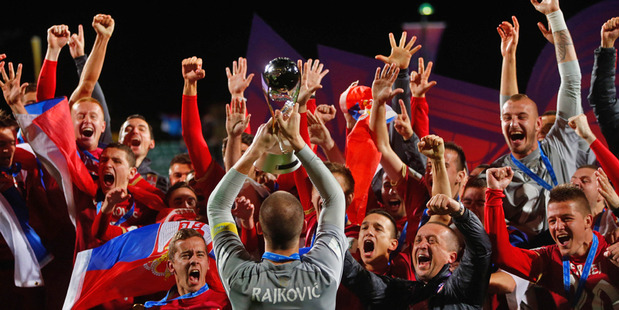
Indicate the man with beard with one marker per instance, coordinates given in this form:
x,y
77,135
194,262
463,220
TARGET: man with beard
x,y
538,166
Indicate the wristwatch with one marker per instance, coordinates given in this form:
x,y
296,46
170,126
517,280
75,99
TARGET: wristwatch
x,y
458,213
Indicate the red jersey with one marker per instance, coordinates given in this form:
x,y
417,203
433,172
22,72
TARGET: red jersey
x,y
545,267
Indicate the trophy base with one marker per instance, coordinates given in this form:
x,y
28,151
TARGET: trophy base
x,y
277,163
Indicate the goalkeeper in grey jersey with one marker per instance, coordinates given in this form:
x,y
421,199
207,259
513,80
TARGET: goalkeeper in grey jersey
x,y
283,279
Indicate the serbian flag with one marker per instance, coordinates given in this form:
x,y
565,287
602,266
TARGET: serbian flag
x,y
132,264
48,128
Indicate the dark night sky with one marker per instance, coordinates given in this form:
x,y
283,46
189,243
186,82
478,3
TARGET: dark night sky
x,y
142,68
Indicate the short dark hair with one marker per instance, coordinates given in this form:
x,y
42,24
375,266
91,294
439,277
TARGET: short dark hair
x,y
139,116
450,145
570,192
7,120
128,152
281,219
177,185
339,168
246,138
388,216
476,182
182,158
182,234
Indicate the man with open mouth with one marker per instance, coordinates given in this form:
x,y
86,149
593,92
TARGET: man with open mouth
x,y
448,274
122,207
188,262
573,269
137,133
538,165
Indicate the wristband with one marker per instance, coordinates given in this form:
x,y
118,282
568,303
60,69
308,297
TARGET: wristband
x,y
556,21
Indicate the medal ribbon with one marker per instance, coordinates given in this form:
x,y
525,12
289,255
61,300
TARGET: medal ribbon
x,y
534,176
585,271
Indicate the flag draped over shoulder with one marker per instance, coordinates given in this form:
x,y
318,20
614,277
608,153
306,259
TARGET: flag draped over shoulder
x,y
132,264
49,130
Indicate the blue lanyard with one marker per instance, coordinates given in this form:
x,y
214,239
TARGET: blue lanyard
x,y
278,258
585,271
165,300
598,221
534,176
13,170
124,218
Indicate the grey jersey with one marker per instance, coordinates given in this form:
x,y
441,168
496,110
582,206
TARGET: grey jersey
x,y
310,283
525,200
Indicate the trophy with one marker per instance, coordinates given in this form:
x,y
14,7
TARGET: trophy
x,y
281,82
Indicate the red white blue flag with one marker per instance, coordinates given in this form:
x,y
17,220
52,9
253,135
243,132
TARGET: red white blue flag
x,y
132,264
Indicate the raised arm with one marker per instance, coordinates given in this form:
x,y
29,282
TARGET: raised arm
x,y
12,88
104,26
319,135
57,37
603,92
569,97
509,34
76,48
508,257
608,161
237,121
333,210
420,84
190,117
382,93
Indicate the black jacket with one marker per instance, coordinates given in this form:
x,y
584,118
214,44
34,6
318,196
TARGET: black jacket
x,y
465,288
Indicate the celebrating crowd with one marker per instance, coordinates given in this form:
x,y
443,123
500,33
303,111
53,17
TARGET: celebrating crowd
x,y
395,219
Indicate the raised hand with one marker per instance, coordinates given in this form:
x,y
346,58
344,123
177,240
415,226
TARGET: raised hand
x,y
401,53
312,73
499,178
244,211
238,80
11,88
236,117
58,36
442,204
319,133
419,81
432,146
402,123
610,32
606,189
264,139
546,32
76,43
382,91
288,127
103,25
510,34
545,6
580,124
326,112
